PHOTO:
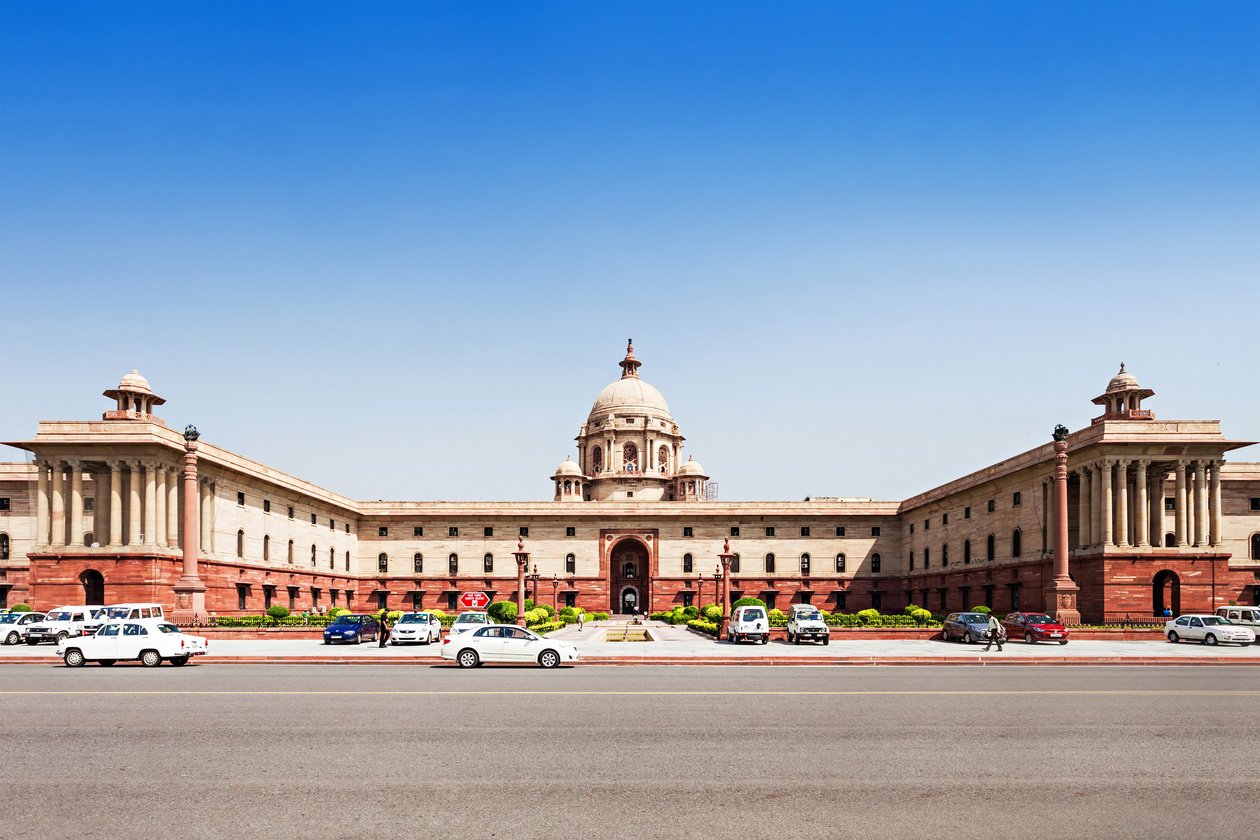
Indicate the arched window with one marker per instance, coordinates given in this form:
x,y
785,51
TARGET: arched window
x,y
266,548
990,548
966,552
452,564
627,570
417,563
487,564
1170,540
382,562
662,459
568,488
240,543
4,546
312,555
804,564
597,458
875,564
290,552
769,564
944,554
630,457
1255,546
840,564
1016,539
735,565
570,564
688,564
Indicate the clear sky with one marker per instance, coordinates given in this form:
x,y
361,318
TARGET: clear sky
x,y
397,249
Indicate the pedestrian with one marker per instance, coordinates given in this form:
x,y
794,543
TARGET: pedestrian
x,y
303,616
994,636
581,617
1167,612
383,634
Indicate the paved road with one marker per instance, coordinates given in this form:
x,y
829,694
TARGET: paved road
x,y
648,752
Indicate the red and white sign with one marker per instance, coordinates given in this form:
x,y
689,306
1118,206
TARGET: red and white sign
x,y
474,601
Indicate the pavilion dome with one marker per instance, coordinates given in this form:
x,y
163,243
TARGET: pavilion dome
x,y
1122,381
568,468
135,382
691,467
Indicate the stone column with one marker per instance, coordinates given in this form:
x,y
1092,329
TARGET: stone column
x,y
172,508
1122,502
1060,594
190,592
1214,532
207,514
100,505
159,518
1179,524
58,505
1141,509
42,524
1157,508
1082,508
75,537
1200,504
1095,505
1052,544
150,502
1108,516
115,504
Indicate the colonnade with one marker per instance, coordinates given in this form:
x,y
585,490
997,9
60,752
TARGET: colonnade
x,y
1121,503
136,502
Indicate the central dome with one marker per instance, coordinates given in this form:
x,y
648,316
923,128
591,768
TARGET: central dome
x,y
629,393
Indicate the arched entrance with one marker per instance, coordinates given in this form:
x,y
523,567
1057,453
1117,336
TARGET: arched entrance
x,y
1167,593
629,564
93,588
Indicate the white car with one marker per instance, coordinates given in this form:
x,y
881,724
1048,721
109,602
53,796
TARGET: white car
x,y
506,643
807,623
13,625
749,623
1208,629
149,640
469,621
1245,616
62,623
416,628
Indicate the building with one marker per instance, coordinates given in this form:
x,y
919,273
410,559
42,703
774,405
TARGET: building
x,y
1155,517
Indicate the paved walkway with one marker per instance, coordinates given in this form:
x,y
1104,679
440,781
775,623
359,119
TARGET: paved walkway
x,y
678,645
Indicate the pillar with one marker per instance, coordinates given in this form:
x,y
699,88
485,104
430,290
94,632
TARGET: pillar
x,y
75,537
1122,502
159,518
100,506
150,502
41,505
1214,532
1141,509
1083,508
1157,508
190,592
1060,594
522,563
172,508
134,480
115,504
1095,504
58,505
207,512
1108,519
725,559
1200,504
1179,524
1052,544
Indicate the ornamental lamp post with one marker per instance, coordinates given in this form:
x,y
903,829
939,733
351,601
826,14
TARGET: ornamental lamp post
x,y
533,579
725,557
555,605
1059,596
522,562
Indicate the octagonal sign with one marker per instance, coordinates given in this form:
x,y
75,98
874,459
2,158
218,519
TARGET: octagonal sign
x,y
474,601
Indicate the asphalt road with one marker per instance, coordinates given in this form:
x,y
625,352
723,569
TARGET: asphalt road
x,y
633,752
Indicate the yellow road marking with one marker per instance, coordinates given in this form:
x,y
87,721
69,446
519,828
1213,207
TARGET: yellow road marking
x,y
1117,692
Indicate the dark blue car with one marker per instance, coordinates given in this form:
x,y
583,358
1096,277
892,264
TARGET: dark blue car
x,y
352,628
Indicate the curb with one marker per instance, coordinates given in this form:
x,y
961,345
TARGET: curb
x,y
708,661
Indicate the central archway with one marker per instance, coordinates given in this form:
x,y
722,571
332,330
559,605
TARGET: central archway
x,y
629,568
93,588
1166,592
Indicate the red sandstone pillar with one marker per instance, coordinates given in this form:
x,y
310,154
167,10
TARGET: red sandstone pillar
x,y
190,592
522,561
1060,594
726,558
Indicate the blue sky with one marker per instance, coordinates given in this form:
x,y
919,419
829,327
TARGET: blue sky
x,y
862,249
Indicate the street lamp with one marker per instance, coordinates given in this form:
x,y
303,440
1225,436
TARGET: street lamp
x,y
725,557
534,579
555,606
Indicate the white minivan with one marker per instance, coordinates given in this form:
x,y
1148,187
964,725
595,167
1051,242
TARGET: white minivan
x,y
1245,616
749,623
131,612
62,623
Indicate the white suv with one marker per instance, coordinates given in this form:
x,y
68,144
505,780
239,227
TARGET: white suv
x,y
1244,616
749,623
807,623
13,625
62,623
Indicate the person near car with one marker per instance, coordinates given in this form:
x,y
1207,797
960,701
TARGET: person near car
x,y
581,616
995,635
382,633
1167,612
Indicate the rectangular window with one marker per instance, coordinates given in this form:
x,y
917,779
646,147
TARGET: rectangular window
x,y
841,600
735,531
347,527
912,527
687,532
570,565
5,504
1255,504
992,506
240,597
452,600
1170,504
570,531
966,513
877,600
488,531
912,561
524,530
944,518
839,530
382,600
1015,499
875,531
382,531
293,597
266,506
770,531
290,511
805,531
417,531
804,564
89,505
570,599
240,499
332,526
688,598
452,531
927,524
313,519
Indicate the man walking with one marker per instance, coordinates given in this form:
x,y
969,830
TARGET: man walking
x,y
994,636
383,633
581,618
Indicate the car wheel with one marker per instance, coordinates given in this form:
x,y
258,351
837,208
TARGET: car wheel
x,y
105,662
327,642
549,659
826,640
62,636
13,638
74,658
150,659
179,660
1029,640
1209,639
1063,641
797,641
32,642
468,659
1173,637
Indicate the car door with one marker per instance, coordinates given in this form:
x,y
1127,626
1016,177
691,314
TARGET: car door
x,y
1195,630
435,628
104,645
132,640
488,642
518,645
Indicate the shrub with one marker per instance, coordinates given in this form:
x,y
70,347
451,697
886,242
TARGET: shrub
x,y
870,618
568,612
599,616
394,615
712,612
336,611
547,627
911,609
441,615
921,616
22,608
703,626
691,612
548,609
502,612
984,610
749,602
777,618
278,612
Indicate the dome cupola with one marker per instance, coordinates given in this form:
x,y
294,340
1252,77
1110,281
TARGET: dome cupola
x,y
1123,399
135,400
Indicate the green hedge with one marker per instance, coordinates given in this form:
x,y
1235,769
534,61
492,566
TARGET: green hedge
x,y
542,629
268,621
749,602
703,626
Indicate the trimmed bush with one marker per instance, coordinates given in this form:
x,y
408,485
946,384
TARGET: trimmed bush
x,y
749,602
502,612
21,608
984,610
921,616
691,612
336,611
547,627
529,604
548,609
277,612
568,612
599,617
439,613
712,613
870,618
703,626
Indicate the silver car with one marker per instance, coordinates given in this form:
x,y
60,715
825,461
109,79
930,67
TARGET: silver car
x,y
1207,629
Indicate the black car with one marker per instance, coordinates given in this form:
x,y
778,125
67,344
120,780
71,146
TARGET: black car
x,y
352,628
967,627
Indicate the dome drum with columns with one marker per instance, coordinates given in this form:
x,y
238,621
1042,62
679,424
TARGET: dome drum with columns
x,y
629,448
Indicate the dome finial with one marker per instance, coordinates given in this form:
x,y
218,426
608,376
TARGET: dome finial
x,y
629,365
1122,367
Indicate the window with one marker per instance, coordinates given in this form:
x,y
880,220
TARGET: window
x,y
290,552
452,600
687,531
293,593
992,506
1016,540
927,558
382,531
452,564
875,564
966,513
570,564
452,531
1170,540
417,563
688,599
839,562
804,564
240,543
927,524
875,531
332,526
1255,503
347,568
629,494
770,531
487,531
417,531
570,531
1015,499
945,554
312,555
314,599
1170,504
769,564
628,570
944,518
912,561
6,504
347,527
332,558
240,500
269,592
735,565
382,600
266,506
314,519
990,548
487,564
266,548
4,546
1255,547
877,600
570,599
804,530
841,600
290,511
734,530
966,552
688,564
839,530
912,527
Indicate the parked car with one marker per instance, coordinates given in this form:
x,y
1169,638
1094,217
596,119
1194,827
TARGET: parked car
x,y
1208,629
967,627
148,640
1034,627
13,625
62,623
122,612
806,622
749,623
1245,616
416,628
352,628
505,643
466,621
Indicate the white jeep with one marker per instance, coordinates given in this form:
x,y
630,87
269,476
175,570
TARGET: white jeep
x,y
63,623
749,623
807,623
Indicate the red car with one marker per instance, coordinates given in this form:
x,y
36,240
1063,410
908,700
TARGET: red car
x,y
1035,627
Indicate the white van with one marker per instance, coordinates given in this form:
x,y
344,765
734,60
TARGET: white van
x,y
62,623
125,612
1246,616
749,623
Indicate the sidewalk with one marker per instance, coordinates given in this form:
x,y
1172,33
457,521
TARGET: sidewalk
x,y
680,646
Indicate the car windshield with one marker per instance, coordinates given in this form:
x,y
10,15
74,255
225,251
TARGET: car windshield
x,y
346,619
118,612
9,618
974,618
471,618
1040,619
809,616
413,618
753,614
1215,620
168,628
58,616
